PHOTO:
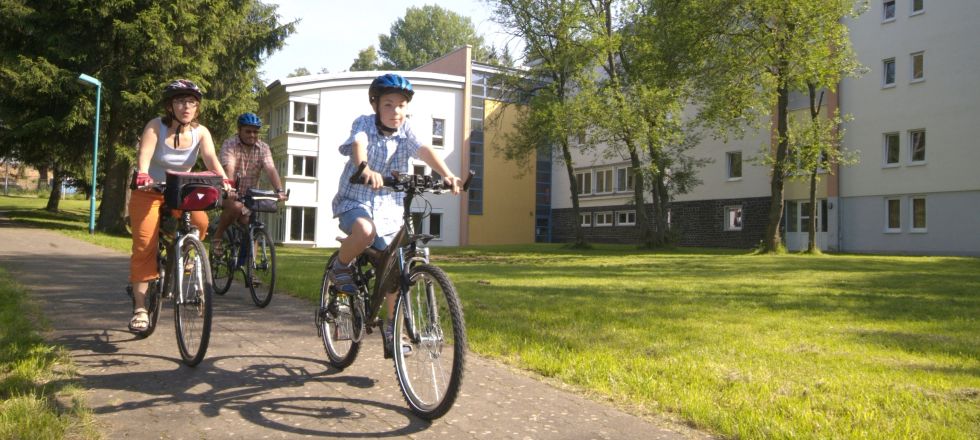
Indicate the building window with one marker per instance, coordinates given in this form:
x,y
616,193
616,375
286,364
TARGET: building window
x,y
889,72
918,72
624,179
435,225
585,219
304,117
734,159
893,215
438,132
625,218
304,166
584,181
603,181
918,214
917,146
888,10
891,155
302,223
733,218
918,7
603,219
418,170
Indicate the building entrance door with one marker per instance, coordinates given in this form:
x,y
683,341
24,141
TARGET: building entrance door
x,y
797,224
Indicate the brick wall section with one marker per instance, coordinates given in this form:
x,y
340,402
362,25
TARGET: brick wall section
x,y
697,223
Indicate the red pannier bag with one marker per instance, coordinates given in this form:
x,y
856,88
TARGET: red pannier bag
x,y
192,191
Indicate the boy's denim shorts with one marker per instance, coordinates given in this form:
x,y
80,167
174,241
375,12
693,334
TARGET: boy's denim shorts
x,y
348,218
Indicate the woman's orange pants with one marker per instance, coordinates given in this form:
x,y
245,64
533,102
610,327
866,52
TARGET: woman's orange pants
x,y
144,219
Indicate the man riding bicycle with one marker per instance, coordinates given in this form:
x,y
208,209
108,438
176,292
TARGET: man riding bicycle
x,y
243,157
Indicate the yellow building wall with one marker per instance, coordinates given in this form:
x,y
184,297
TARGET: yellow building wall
x,y
508,188
798,187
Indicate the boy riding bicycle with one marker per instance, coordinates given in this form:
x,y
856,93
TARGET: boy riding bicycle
x,y
243,157
369,214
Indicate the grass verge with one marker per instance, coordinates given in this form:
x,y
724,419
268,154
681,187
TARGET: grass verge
x,y
38,394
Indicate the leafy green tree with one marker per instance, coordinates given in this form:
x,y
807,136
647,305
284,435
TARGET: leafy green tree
x,y
300,71
367,59
561,56
815,145
134,47
425,34
766,50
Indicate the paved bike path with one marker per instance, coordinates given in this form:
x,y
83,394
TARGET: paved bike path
x,y
264,375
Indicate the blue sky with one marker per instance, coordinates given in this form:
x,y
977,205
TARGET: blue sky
x,y
331,33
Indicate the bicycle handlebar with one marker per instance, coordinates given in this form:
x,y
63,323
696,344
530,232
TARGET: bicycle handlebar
x,y
406,182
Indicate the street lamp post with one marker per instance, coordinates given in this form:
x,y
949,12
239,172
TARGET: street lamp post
x,y
95,152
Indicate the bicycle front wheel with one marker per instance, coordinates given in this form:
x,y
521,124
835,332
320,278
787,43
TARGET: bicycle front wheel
x,y
260,274
430,342
222,263
336,323
192,302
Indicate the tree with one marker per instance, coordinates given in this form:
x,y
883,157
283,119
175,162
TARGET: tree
x,y
300,71
134,47
815,145
770,49
367,59
425,34
561,56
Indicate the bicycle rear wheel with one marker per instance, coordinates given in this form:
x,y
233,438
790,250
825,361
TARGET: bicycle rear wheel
x,y
261,268
222,263
192,302
429,319
336,323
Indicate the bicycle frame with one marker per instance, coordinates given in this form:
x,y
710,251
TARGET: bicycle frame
x,y
174,260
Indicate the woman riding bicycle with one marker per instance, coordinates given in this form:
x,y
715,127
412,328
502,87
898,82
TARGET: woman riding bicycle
x,y
171,142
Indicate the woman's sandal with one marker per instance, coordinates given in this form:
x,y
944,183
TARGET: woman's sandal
x,y
140,321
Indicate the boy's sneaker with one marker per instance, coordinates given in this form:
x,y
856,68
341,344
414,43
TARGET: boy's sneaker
x,y
342,279
389,335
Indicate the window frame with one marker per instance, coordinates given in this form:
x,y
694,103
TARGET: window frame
x,y
608,172
737,223
912,148
884,72
925,217
728,165
884,11
302,209
888,229
308,127
627,171
922,66
293,160
584,188
585,219
922,8
898,149
607,219
441,138
628,214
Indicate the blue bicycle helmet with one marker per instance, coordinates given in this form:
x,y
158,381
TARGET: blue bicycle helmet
x,y
249,119
390,83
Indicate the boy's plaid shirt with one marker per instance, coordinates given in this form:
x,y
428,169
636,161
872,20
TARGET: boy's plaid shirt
x,y
386,154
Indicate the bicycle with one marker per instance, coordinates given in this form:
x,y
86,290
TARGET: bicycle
x,y
248,248
428,314
184,278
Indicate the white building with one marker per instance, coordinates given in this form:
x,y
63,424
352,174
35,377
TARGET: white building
x,y
308,117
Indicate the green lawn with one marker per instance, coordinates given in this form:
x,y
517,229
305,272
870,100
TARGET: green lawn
x,y
790,346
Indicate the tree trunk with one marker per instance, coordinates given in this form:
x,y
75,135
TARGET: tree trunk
x,y
42,177
113,206
569,167
812,227
644,225
55,197
772,240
